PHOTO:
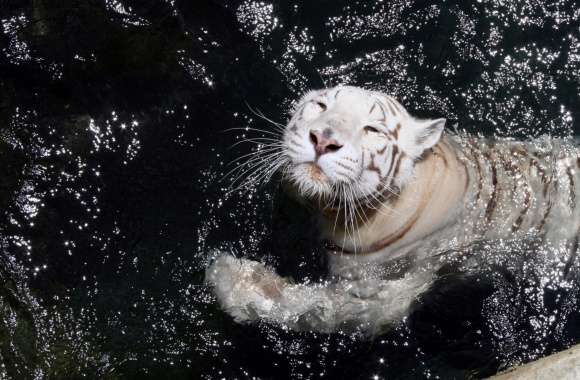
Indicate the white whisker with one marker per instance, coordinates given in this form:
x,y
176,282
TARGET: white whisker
x,y
257,157
279,126
245,129
261,163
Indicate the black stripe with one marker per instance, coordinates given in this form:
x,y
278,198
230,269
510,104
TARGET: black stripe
x,y
518,223
395,151
440,153
572,189
384,112
527,200
393,112
510,169
540,170
463,162
372,167
397,166
344,166
545,216
467,178
395,133
491,204
549,207
395,106
479,175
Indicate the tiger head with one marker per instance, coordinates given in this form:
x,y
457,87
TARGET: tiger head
x,y
355,142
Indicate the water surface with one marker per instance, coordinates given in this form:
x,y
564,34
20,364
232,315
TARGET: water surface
x,y
113,141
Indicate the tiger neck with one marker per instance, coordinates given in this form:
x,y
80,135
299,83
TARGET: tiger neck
x,y
429,202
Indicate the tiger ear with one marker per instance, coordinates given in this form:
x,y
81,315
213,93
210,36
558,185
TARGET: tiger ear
x,y
428,132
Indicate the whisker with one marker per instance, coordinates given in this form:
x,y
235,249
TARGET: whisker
x,y
249,167
362,215
345,217
262,151
257,140
380,206
256,157
321,79
259,177
335,197
245,129
352,217
270,160
262,116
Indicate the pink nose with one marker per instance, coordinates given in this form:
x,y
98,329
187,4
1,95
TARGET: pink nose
x,y
322,143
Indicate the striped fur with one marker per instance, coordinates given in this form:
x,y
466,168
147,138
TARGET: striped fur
x,y
393,189
495,189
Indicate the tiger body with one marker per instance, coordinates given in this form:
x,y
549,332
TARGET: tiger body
x,y
490,189
391,189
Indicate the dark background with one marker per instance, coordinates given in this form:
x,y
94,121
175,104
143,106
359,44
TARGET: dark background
x,y
113,142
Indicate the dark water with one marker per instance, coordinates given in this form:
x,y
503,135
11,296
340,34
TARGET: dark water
x,y
112,144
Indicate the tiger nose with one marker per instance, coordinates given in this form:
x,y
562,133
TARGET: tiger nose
x,y
323,143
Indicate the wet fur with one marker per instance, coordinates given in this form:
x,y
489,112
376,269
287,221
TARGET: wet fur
x,y
389,201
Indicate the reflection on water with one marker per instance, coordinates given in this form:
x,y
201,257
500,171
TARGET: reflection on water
x,y
112,142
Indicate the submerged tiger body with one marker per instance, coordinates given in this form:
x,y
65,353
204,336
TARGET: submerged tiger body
x,y
390,188
499,189
522,187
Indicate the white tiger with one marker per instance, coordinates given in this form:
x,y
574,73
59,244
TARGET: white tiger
x,y
393,189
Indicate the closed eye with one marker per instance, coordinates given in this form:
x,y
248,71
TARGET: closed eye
x,y
321,105
370,128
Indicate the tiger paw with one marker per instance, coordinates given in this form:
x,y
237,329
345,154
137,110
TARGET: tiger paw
x,y
246,289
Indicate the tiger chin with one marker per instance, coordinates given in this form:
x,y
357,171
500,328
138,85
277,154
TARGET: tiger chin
x,y
390,188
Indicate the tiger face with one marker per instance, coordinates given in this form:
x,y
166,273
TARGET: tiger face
x,y
355,142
